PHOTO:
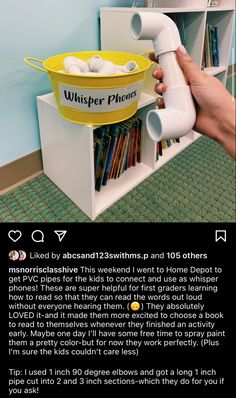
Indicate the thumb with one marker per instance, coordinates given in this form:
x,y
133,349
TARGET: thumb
x,y
191,70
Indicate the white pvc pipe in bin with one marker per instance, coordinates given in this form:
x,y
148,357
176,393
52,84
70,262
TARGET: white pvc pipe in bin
x,y
179,115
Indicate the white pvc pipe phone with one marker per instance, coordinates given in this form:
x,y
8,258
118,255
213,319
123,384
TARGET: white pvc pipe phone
x,y
179,115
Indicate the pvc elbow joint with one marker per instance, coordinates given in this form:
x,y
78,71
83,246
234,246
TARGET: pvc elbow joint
x,y
127,68
75,65
179,115
156,27
108,68
176,120
96,65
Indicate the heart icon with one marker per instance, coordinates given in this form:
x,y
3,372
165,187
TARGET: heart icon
x,y
15,235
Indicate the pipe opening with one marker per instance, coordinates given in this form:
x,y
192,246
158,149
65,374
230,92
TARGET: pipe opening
x,y
136,26
154,126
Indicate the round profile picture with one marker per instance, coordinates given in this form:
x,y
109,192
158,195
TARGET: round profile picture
x,y
13,255
22,255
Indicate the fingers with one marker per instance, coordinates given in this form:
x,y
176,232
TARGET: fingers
x,y
160,102
158,74
153,58
160,88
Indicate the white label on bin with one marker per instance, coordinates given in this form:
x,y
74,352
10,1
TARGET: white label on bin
x,y
99,100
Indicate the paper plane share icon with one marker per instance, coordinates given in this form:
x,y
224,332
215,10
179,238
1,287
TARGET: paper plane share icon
x,y
60,234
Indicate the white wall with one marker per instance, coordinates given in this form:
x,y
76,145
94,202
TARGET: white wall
x,y
37,28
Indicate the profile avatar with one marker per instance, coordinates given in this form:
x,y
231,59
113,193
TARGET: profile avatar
x,y
13,255
22,255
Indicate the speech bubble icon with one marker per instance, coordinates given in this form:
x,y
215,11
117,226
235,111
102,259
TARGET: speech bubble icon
x,y
37,236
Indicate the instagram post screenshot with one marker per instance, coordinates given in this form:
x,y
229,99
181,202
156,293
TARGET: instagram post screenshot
x,y
117,197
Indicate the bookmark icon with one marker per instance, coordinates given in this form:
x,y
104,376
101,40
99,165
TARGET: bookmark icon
x,y
220,234
61,234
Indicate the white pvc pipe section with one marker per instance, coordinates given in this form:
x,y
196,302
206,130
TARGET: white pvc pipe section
x,y
179,115
75,65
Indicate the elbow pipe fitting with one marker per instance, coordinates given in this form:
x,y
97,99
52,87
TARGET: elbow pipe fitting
x,y
108,68
75,65
177,119
131,66
102,67
95,63
156,27
70,66
179,115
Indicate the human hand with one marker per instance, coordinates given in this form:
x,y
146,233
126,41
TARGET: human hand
x,y
215,106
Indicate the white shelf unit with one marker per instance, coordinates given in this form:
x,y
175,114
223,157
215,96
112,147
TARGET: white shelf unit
x,y
68,159
67,148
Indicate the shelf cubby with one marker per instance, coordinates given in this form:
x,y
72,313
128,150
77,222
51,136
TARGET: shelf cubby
x,y
68,158
194,24
224,20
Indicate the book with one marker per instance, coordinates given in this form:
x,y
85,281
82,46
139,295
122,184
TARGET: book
x,y
163,145
116,148
98,140
136,129
102,161
139,156
211,43
215,46
114,132
126,127
207,62
116,155
160,148
211,48
122,152
132,141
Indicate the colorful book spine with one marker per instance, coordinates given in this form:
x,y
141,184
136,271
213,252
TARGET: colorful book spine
x,y
139,156
162,146
211,56
103,160
98,140
116,148
216,48
114,135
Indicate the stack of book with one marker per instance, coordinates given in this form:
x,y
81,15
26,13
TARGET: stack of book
x,y
162,145
116,148
211,49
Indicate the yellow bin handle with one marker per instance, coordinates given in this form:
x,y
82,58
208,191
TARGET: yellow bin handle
x,y
27,59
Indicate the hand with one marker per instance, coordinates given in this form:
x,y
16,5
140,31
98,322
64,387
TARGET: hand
x,y
215,106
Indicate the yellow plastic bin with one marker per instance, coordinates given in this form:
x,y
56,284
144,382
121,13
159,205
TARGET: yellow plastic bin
x,y
95,99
